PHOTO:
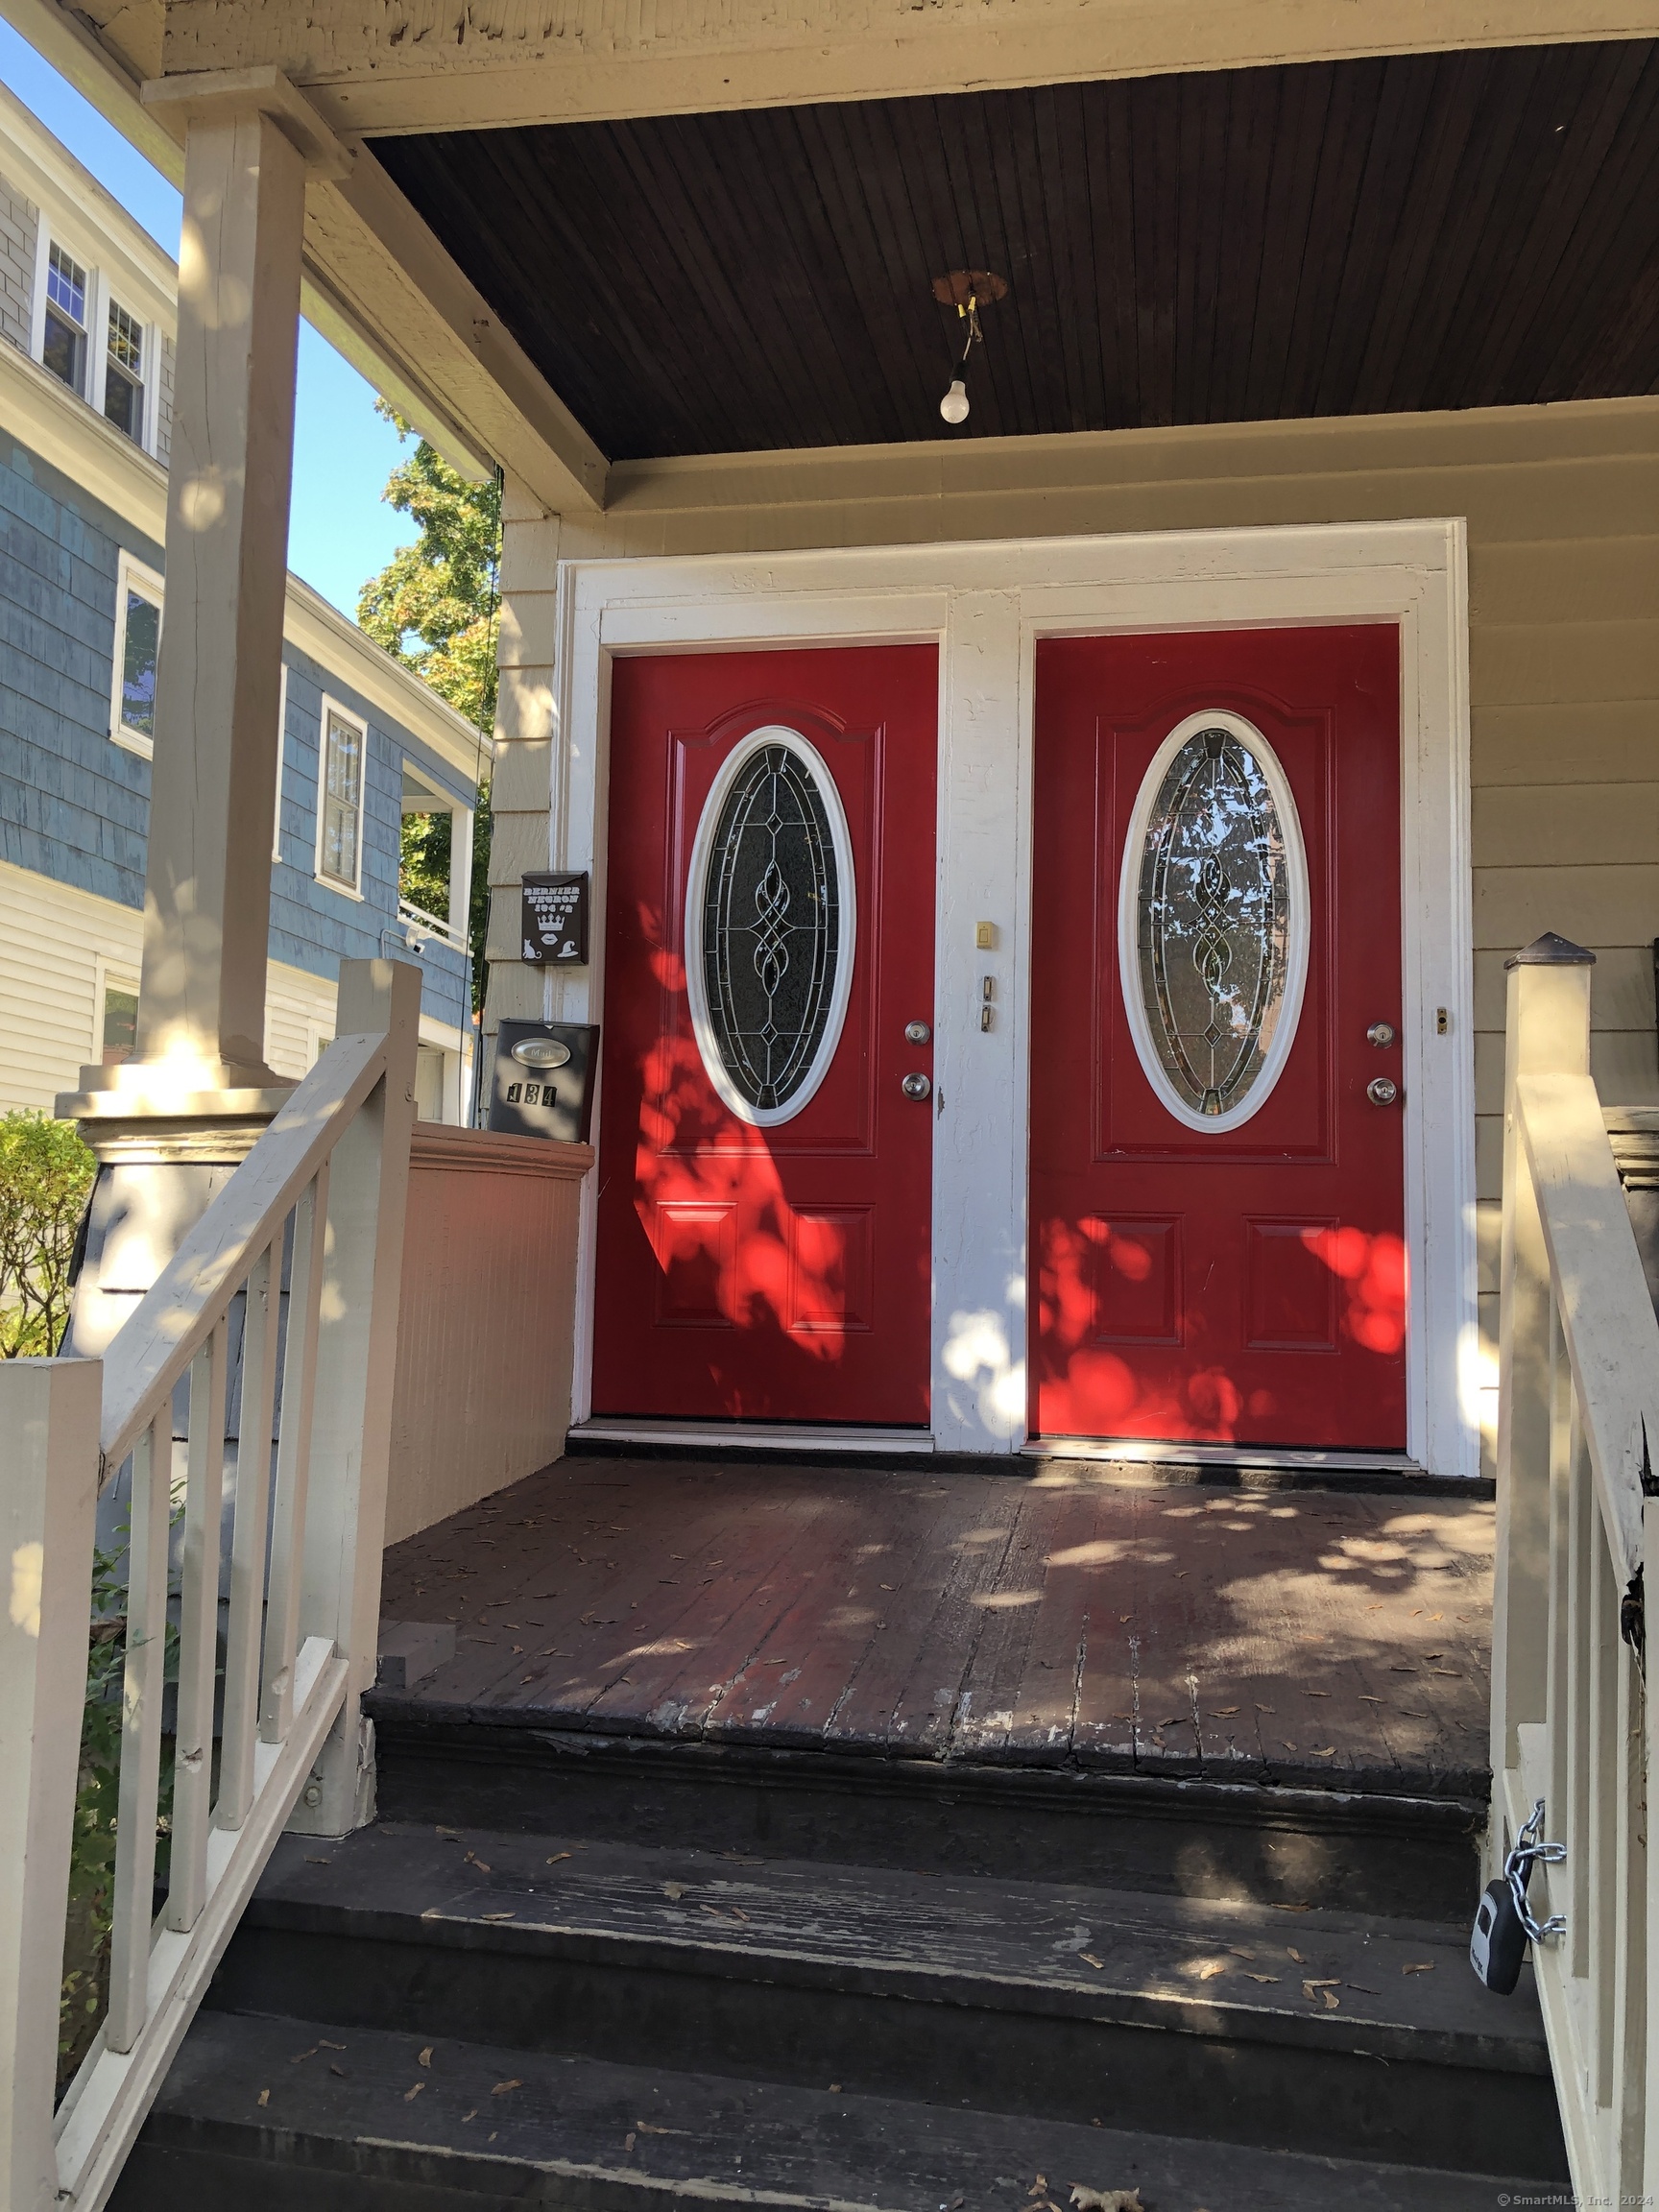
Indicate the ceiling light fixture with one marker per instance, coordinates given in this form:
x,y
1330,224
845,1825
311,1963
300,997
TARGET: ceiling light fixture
x,y
967,290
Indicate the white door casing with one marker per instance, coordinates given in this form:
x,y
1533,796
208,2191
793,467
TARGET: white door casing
x,y
985,605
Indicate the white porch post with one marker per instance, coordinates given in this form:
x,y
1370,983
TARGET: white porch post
x,y
168,1125
207,882
1548,1034
48,1485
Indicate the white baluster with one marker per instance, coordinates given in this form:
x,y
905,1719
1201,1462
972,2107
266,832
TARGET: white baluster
x,y
198,1635
142,1687
261,1320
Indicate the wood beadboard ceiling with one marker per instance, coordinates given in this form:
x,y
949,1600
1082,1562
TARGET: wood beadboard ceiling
x,y
1365,238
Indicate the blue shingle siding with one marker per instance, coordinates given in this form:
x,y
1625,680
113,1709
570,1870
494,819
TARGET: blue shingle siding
x,y
74,806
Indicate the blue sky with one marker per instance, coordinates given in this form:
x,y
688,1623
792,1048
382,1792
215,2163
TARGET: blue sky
x,y
339,530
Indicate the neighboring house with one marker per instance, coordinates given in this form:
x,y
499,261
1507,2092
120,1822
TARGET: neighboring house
x,y
88,317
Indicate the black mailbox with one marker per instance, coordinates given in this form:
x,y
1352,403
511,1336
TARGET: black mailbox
x,y
544,1080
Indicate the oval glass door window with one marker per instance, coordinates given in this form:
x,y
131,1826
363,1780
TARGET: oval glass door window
x,y
1212,922
770,925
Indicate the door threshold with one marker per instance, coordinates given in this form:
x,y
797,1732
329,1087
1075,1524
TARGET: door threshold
x,y
717,1436
1157,1452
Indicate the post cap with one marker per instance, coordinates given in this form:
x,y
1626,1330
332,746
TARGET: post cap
x,y
1550,952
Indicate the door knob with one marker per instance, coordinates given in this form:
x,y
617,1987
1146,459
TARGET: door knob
x,y
1380,1034
1382,1090
916,1087
917,1032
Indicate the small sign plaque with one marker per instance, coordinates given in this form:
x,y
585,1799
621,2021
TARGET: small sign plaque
x,y
555,919
544,1080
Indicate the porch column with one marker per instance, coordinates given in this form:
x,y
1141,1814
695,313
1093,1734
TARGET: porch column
x,y
171,1123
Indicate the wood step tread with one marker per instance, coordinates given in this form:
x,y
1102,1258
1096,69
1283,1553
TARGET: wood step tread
x,y
272,2113
1201,1966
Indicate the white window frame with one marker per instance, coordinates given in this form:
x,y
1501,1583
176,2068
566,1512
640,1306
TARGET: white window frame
x,y
282,750
150,348
131,575
107,974
51,232
336,707
452,926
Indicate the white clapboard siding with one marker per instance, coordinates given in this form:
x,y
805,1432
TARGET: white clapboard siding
x,y
59,944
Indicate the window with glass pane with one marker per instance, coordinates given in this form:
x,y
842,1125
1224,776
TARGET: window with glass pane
x,y
63,349
120,1023
140,643
123,374
341,801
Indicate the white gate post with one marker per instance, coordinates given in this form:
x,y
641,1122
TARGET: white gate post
x,y
356,1365
1548,1033
49,1412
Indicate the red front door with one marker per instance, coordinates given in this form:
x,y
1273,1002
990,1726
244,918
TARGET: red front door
x,y
765,1176
1217,1188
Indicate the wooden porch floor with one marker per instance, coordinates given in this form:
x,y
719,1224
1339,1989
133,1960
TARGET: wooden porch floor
x,y
1296,1637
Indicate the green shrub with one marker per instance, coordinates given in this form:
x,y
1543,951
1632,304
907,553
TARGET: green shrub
x,y
45,1174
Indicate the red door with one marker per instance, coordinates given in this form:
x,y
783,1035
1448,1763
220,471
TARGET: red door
x,y
1216,1177
765,1174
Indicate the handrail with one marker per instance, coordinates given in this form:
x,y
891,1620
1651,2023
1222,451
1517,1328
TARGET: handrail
x,y
273,1329
173,1319
436,923
1578,1407
1606,1315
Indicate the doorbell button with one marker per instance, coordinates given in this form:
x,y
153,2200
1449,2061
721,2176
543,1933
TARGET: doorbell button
x,y
1380,1034
1382,1090
916,1087
917,1032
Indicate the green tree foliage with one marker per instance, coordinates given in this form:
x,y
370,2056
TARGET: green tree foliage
x,y
45,1174
435,606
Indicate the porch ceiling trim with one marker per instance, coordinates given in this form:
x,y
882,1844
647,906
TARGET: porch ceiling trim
x,y
452,65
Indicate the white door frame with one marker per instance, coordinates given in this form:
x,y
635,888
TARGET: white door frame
x,y
985,605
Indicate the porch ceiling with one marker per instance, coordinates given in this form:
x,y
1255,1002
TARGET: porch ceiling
x,y
1371,236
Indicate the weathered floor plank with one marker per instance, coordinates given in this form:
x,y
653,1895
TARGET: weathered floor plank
x,y
1048,1618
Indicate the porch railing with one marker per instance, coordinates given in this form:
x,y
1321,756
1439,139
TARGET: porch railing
x,y
1578,1423
291,1278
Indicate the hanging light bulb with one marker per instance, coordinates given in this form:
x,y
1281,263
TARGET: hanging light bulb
x,y
954,404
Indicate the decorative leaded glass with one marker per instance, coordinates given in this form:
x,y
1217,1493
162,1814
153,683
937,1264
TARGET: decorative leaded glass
x,y
771,927
1214,921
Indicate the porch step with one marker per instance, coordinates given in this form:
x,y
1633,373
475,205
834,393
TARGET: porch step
x,y
1360,1850
292,2115
1193,2017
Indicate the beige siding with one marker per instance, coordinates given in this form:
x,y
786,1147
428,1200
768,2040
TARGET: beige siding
x,y
488,1311
1562,505
19,232
59,943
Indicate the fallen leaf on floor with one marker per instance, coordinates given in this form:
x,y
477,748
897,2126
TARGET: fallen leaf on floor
x,y
264,2096
425,2058
1089,1960
1105,2200
1264,1708
834,2088
1223,1712
1249,1977
628,2141
1038,2187
1310,1989
1240,1954
1449,1672
524,1678
558,1855
1333,2002
473,2115
1364,1700
1422,1966
502,2087
645,2127
1325,1751
1286,1741
519,1651
410,2094
324,2044
1210,1968
482,1865
495,1916
1296,1954
340,2070
887,1585
319,1862
674,1892
738,1913
299,2054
